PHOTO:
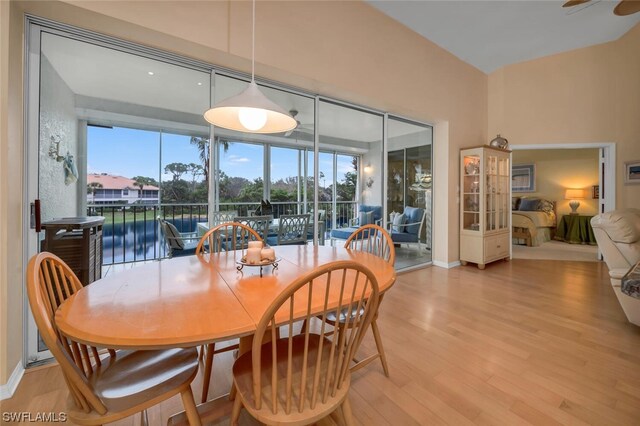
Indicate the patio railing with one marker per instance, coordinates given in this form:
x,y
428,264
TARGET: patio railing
x,y
131,232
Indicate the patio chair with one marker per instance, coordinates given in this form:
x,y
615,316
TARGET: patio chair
x,y
222,238
260,224
222,217
105,390
178,243
366,215
292,229
407,228
304,377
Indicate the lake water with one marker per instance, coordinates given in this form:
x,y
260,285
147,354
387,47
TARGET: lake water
x,y
128,242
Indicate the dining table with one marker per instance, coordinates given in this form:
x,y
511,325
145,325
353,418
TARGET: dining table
x,y
194,300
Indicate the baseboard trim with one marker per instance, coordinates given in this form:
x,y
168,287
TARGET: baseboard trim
x,y
446,265
8,389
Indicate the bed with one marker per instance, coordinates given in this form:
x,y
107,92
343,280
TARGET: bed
x,y
533,220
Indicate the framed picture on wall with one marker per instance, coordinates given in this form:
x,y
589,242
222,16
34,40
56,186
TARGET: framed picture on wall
x,y
595,192
523,178
632,172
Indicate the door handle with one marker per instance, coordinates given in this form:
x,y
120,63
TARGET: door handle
x,y
34,218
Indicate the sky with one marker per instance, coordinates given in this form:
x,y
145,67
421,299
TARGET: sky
x,y
132,152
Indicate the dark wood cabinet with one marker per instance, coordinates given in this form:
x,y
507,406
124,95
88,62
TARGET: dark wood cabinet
x,y
77,241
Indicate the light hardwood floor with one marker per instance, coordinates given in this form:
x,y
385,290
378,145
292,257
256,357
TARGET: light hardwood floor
x,y
522,342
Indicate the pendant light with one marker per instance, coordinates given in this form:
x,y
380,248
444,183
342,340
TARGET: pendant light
x,y
251,111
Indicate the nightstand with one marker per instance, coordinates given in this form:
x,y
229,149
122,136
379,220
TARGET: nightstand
x,y
575,229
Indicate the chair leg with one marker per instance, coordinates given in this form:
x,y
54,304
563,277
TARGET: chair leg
x,y
235,412
346,412
378,339
208,367
190,407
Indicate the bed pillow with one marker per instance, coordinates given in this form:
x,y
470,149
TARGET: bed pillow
x,y
529,204
546,206
515,203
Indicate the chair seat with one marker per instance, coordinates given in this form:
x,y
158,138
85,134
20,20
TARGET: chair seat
x,y
138,376
343,233
242,378
404,237
272,240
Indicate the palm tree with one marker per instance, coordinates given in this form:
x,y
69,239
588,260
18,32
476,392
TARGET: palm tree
x,y
91,189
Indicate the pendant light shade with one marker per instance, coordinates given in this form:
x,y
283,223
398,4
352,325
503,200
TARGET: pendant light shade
x,y
250,111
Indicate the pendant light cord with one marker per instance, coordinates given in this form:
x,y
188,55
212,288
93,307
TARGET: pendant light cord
x,y
253,42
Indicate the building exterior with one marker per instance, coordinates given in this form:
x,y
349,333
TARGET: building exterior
x,y
103,188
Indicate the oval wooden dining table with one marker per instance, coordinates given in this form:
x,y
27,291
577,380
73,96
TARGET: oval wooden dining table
x,y
194,300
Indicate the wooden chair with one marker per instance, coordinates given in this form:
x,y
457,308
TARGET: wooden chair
x,y
225,237
105,390
260,224
375,240
304,377
222,238
292,229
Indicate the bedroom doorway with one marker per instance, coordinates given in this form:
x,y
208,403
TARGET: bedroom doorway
x,y
544,224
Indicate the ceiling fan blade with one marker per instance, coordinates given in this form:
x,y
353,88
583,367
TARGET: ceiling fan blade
x,y
572,3
627,7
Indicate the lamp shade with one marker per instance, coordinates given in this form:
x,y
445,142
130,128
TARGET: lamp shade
x,y
250,111
574,194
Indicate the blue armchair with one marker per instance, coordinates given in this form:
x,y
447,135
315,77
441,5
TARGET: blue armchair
x,y
409,231
373,213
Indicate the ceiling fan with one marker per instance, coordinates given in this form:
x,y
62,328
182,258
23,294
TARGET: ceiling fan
x,y
306,128
624,8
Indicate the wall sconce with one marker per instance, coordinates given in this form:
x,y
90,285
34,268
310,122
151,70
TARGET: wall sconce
x,y
369,182
367,169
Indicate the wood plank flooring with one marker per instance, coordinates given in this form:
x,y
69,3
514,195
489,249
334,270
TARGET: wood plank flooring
x,y
522,342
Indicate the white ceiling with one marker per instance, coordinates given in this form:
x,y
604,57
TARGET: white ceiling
x,y
492,34
107,74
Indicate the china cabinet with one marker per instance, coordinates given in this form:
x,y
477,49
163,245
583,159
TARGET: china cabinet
x,y
485,205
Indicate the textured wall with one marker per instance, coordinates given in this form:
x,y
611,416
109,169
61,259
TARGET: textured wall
x,y
58,120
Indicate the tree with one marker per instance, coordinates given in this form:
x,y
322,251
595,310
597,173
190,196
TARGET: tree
x,y
142,181
203,152
176,169
195,170
91,188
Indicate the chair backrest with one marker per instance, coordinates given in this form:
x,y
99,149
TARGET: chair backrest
x,y
225,237
292,229
49,283
316,364
260,224
618,236
415,217
171,235
372,239
222,217
377,211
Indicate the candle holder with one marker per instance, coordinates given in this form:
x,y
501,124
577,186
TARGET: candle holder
x,y
253,256
242,264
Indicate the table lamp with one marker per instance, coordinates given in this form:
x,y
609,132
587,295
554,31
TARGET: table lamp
x,y
574,195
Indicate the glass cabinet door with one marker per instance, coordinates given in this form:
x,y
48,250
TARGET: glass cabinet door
x,y
471,192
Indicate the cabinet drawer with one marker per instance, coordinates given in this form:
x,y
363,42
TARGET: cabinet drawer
x,y
496,246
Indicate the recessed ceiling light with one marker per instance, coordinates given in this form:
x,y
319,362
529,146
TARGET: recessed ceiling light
x,y
151,73
199,84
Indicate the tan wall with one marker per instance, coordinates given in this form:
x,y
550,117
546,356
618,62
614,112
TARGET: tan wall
x,y
4,102
346,50
11,169
583,96
559,169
